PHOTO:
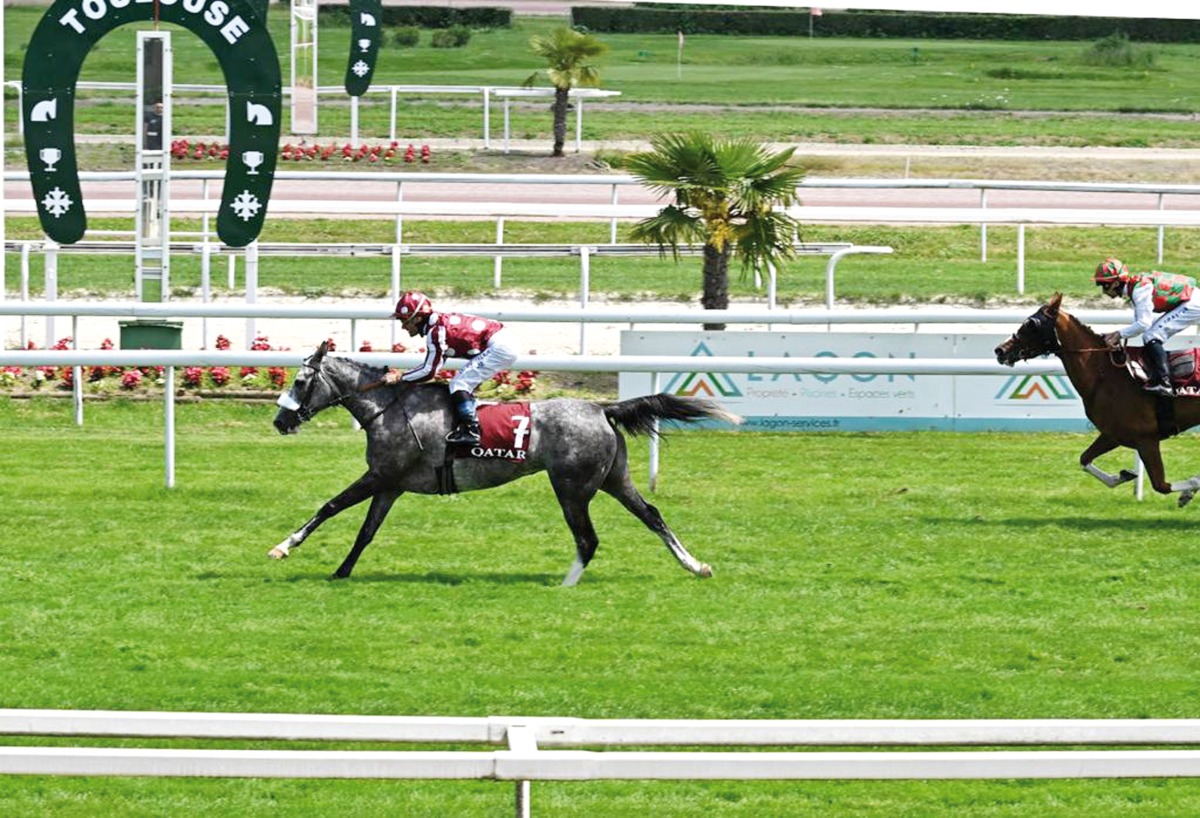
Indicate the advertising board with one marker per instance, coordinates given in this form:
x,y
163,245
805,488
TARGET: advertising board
x,y
859,402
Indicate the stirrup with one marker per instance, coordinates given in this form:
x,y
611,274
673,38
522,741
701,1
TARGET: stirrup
x,y
463,434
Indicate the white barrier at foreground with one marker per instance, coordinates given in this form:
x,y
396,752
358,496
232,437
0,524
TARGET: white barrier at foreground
x,y
527,757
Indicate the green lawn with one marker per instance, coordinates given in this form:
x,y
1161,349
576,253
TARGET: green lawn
x,y
750,73
929,263
890,576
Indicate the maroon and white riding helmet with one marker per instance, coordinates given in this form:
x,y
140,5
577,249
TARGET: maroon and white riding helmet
x,y
412,306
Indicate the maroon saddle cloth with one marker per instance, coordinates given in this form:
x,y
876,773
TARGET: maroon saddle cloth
x,y
505,431
1183,364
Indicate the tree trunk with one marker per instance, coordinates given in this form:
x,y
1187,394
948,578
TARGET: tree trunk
x,y
716,281
560,106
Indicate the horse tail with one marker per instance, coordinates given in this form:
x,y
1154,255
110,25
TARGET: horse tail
x,y
638,415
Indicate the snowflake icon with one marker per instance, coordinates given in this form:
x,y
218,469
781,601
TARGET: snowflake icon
x,y
57,202
360,69
246,205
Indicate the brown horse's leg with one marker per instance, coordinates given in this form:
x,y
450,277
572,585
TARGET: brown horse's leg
x,y
1102,445
1152,459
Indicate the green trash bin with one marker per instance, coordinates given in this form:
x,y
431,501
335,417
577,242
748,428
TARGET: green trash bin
x,y
148,334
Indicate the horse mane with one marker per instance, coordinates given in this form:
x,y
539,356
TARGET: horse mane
x,y
1074,322
373,372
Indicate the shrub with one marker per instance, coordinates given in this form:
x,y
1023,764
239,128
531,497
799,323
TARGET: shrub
x,y
453,37
1116,51
406,36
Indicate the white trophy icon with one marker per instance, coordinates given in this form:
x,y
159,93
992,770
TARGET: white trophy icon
x,y
252,159
50,156
365,45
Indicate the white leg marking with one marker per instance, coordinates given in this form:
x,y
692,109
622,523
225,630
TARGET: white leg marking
x,y
574,574
1110,480
280,552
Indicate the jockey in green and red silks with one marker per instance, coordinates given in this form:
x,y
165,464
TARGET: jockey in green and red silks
x,y
484,342
1175,296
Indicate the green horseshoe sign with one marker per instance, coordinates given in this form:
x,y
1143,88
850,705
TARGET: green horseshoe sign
x,y
365,19
236,32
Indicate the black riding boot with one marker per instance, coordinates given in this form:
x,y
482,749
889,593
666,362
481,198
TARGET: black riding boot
x,y
1155,358
466,427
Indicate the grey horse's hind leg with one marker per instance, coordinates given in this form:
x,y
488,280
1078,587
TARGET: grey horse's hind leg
x,y
619,485
352,495
575,511
381,504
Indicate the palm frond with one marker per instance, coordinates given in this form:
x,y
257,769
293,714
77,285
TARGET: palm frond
x,y
670,228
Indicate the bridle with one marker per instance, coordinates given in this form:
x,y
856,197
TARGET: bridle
x,y
1046,328
301,407
1043,325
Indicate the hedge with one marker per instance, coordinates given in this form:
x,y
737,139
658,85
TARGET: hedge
x,y
905,25
423,16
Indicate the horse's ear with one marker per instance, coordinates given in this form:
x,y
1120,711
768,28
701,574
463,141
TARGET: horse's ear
x,y
1055,302
321,350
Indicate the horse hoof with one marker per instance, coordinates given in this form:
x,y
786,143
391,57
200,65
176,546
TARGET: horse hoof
x,y
277,553
705,571
1185,498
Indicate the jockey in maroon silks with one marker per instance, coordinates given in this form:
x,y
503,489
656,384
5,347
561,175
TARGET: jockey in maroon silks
x,y
1175,296
487,346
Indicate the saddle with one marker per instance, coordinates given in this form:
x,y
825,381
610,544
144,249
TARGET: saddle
x,y
505,433
1183,364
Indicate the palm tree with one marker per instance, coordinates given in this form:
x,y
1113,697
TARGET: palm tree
x,y
727,196
568,53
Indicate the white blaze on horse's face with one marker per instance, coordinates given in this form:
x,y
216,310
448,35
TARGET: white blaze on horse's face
x,y
288,402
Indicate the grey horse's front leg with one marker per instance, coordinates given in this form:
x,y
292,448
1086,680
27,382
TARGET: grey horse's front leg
x,y
355,493
381,504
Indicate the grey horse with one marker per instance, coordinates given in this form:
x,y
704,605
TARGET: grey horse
x,y
576,442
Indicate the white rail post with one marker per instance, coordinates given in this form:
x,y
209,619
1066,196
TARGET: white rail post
x,y
1160,231
1139,485
205,263
76,374
169,425
506,123
498,260
523,740
585,275
653,480
983,227
612,225
24,291
1020,259
392,115
354,122
251,287
487,118
51,293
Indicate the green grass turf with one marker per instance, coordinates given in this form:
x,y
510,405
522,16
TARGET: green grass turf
x,y
921,575
929,263
752,73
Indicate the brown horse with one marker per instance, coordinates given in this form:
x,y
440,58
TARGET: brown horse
x,y
1114,401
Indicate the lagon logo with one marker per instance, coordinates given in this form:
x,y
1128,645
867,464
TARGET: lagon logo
x,y
707,384
1037,388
